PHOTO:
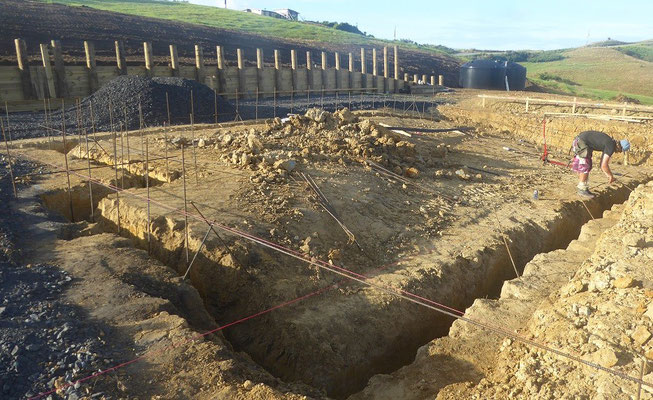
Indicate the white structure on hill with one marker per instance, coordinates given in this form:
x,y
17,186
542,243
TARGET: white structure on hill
x,y
284,13
287,13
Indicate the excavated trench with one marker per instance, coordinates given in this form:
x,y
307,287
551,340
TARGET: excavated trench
x,y
344,337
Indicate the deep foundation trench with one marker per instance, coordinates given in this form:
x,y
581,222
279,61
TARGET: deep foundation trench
x,y
346,332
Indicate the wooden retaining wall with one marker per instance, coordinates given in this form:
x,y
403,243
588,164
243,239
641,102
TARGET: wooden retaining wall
x,y
27,85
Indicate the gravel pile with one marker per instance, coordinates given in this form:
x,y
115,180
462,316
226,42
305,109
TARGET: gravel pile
x,y
119,100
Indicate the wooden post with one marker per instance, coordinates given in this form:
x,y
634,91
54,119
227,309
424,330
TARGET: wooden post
x,y
277,66
396,63
259,58
89,49
220,54
199,63
351,62
386,70
374,66
324,61
309,65
623,111
45,56
415,78
293,59
432,80
527,104
239,56
59,69
149,58
120,57
23,66
424,79
363,66
441,80
337,61
406,78
309,73
174,60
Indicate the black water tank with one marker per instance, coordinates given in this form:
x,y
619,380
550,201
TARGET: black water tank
x,y
516,76
489,74
483,74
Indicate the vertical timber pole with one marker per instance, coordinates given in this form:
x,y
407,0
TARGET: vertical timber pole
x,y
23,66
199,64
121,63
149,58
174,61
49,76
59,69
239,54
89,50
396,51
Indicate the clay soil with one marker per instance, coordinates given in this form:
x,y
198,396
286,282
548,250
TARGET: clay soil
x,y
435,228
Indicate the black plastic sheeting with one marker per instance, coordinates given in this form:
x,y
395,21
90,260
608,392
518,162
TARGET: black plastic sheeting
x,y
489,74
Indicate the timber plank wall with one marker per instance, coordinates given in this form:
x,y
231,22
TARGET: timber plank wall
x,y
25,86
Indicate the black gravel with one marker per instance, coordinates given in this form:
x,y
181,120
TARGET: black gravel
x,y
42,339
119,101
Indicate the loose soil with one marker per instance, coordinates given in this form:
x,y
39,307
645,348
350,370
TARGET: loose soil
x,y
435,229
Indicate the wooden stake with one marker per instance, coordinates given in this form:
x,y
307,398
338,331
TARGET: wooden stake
x,y
90,184
11,168
65,155
183,174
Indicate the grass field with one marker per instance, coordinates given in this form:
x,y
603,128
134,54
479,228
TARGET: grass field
x,y
238,21
598,72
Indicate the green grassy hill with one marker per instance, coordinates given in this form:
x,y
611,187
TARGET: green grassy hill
x,y
599,72
240,21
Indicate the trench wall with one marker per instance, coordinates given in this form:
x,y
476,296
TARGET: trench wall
x,y
560,132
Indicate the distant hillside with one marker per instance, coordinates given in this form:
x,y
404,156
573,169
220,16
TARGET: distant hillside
x,y
183,24
599,72
239,21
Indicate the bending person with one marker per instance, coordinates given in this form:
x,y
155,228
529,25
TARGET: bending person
x,y
583,146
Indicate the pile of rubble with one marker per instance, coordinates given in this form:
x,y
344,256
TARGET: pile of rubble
x,y
340,137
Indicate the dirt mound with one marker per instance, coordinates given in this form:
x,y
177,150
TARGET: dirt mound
x,y
119,104
290,144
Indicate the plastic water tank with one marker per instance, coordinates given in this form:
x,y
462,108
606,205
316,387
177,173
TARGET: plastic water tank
x,y
489,74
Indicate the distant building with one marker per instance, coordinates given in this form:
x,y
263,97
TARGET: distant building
x,y
287,13
265,13
284,13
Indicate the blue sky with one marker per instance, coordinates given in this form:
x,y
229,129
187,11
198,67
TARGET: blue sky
x,y
498,24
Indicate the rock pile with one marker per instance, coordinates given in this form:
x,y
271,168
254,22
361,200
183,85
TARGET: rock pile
x,y
319,135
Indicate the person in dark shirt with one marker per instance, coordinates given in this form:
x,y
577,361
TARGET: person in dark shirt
x,y
586,143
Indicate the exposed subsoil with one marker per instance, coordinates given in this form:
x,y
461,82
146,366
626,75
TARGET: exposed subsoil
x,y
39,22
434,229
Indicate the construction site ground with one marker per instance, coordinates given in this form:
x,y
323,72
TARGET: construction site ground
x,y
438,214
